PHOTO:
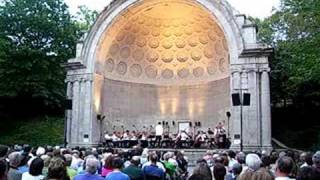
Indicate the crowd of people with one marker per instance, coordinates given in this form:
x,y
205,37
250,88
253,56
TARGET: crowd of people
x,y
158,137
23,162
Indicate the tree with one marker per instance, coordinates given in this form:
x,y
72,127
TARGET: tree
x,y
294,31
38,36
85,18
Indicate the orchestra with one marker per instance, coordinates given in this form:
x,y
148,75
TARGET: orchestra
x,y
158,138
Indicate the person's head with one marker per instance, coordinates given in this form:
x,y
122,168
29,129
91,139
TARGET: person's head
x,y
219,172
253,161
40,151
68,158
117,163
241,158
14,159
284,166
304,173
135,160
266,161
3,169
316,159
153,158
231,154
203,169
308,159
3,150
236,169
36,167
57,169
108,162
92,165
196,177
262,175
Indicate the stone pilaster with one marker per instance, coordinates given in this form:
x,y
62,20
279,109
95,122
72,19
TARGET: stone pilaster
x,y
69,112
265,109
235,110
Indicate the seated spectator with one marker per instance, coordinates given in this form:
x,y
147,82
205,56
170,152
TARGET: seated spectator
x,y
196,177
23,167
262,174
152,171
235,172
159,164
57,170
307,160
70,172
91,168
305,173
284,167
3,169
116,174
202,169
219,172
133,170
107,168
3,151
170,166
14,161
253,163
35,170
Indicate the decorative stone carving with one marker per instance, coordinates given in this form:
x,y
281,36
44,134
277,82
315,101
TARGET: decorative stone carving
x,y
125,52
212,68
109,65
138,55
182,56
122,68
154,43
151,72
152,56
130,39
114,49
167,74
167,44
141,42
196,55
136,70
183,73
167,57
180,43
198,72
193,42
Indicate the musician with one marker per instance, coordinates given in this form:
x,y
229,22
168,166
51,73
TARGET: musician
x,y
115,139
108,139
159,133
220,135
200,138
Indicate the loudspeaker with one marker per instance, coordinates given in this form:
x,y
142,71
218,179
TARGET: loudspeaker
x,y
246,99
199,124
68,104
236,99
173,123
228,114
190,124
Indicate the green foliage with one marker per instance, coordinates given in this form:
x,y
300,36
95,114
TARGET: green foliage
x,y
39,36
40,131
294,32
85,18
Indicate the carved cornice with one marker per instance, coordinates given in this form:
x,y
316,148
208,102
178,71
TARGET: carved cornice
x,y
73,64
79,78
257,52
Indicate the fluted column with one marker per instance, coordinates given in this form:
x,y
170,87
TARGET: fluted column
x,y
235,110
74,130
69,112
265,109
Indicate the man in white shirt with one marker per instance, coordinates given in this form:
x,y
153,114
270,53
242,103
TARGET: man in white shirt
x,y
159,133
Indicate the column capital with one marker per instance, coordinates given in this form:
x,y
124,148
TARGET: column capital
x,y
267,70
79,78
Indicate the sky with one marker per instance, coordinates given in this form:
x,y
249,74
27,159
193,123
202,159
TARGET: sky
x,y
255,8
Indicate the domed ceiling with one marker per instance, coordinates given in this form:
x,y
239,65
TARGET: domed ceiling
x,y
164,42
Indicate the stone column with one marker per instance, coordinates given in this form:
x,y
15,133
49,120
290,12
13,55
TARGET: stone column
x,y
265,109
235,110
74,130
87,115
69,112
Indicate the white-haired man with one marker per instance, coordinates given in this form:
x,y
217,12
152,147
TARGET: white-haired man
x,y
14,161
92,165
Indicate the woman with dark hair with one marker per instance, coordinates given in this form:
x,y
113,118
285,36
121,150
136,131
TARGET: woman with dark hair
x,y
107,168
219,172
35,170
57,170
3,169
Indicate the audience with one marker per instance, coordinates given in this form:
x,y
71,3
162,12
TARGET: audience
x,y
56,163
